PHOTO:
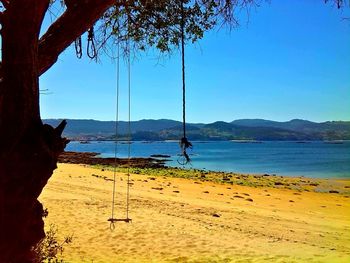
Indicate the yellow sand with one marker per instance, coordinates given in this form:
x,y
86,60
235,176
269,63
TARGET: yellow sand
x,y
192,221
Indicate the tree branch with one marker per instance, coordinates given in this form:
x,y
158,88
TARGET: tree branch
x,y
73,23
5,3
1,17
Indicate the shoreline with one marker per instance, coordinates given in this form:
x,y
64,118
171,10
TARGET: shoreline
x,y
157,167
291,159
92,158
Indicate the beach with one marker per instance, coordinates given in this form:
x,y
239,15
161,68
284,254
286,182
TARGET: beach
x,y
246,218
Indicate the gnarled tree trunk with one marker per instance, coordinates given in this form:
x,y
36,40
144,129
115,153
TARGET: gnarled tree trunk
x,y
28,149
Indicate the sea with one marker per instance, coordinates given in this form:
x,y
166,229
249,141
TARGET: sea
x,y
316,159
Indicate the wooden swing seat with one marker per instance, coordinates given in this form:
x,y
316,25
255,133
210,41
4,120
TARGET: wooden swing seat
x,y
126,220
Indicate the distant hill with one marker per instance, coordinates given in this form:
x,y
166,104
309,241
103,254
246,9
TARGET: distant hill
x,y
330,130
237,132
244,129
107,128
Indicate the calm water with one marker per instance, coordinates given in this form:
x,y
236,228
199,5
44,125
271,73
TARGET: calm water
x,y
315,159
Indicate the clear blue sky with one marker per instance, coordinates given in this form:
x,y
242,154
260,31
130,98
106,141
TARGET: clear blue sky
x,y
292,60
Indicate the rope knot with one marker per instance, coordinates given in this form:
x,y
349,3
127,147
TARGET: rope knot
x,y
91,49
184,145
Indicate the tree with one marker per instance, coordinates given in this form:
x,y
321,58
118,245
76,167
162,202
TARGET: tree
x,y
28,148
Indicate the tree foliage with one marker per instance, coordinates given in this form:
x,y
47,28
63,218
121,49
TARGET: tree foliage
x,y
139,23
158,23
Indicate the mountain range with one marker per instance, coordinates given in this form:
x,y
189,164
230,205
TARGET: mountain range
x,y
243,129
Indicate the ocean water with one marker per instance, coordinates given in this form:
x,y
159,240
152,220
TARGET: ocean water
x,y
310,159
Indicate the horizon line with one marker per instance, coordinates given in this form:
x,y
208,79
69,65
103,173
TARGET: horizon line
x,y
190,122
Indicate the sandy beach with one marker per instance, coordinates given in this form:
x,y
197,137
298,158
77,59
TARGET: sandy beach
x,y
193,220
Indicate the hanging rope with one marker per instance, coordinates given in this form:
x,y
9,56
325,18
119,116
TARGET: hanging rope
x,y
112,226
184,143
112,219
129,129
91,49
78,48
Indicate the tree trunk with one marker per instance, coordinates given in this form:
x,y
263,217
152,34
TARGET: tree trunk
x,y
28,149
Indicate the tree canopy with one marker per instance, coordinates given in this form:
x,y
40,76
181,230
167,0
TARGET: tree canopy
x,y
145,23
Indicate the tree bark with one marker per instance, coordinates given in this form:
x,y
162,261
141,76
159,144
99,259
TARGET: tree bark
x,y
76,20
72,24
28,149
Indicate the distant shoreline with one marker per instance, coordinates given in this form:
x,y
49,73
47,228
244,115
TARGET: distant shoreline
x,y
204,141
244,129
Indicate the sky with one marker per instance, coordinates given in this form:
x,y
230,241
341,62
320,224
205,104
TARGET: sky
x,y
290,60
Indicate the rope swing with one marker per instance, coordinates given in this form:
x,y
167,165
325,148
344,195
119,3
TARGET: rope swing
x,y
112,219
184,142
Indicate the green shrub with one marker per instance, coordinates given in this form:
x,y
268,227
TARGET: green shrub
x,y
50,249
